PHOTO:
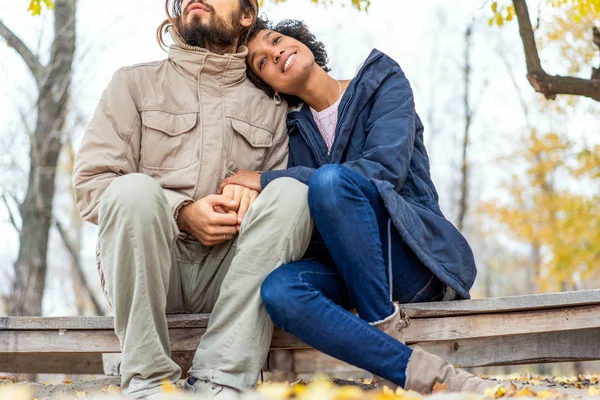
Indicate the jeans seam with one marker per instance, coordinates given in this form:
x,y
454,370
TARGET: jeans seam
x,y
370,330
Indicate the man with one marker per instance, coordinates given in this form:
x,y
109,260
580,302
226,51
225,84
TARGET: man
x,y
164,136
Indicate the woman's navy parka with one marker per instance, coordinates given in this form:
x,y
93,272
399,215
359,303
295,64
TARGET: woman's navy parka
x,y
380,135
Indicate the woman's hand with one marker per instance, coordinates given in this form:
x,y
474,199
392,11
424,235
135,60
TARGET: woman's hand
x,y
242,196
249,179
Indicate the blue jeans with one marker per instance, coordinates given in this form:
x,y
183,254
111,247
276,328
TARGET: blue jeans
x,y
363,264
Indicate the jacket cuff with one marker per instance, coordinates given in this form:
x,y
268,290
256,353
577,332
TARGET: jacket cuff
x,y
264,179
176,201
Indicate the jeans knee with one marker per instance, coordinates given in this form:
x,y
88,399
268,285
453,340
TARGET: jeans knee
x,y
325,186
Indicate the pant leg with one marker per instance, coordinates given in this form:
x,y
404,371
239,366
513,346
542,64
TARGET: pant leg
x,y
309,300
376,264
345,214
275,231
136,237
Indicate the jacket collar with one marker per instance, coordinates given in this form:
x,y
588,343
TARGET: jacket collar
x,y
228,68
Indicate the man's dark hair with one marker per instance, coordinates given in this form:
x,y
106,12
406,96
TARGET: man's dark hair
x,y
294,29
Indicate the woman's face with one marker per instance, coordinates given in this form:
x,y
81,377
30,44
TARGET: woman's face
x,y
281,61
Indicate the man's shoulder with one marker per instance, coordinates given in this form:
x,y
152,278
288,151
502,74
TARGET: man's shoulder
x,y
144,68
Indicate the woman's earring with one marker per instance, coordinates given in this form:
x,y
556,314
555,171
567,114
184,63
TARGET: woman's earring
x,y
277,99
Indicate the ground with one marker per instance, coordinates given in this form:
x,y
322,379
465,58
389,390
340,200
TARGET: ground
x,y
319,389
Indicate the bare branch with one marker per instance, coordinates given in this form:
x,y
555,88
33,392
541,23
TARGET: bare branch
x,y
549,85
11,216
33,63
72,249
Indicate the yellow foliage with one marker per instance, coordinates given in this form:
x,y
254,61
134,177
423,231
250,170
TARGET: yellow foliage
x,y
35,6
578,10
543,211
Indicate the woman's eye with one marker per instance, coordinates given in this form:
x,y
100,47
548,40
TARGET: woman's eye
x,y
261,63
277,40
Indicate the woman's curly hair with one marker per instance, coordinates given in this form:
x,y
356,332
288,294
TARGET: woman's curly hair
x,y
294,29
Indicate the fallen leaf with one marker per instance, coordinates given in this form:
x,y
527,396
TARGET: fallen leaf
x,y
439,387
593,391
526,392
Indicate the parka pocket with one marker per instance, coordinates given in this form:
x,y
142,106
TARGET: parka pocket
x,y
249,146
168,139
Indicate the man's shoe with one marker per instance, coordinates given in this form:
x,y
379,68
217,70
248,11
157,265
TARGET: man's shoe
x,y
209,390
425,369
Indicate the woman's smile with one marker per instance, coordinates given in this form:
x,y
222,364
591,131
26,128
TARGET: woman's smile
x,y
288,62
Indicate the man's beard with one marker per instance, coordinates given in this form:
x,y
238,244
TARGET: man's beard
x,y
213,34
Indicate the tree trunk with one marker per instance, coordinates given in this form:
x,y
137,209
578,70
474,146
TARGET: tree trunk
x,y
45,146
464,185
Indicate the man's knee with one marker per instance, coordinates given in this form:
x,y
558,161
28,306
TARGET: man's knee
x,y
132,195
283,196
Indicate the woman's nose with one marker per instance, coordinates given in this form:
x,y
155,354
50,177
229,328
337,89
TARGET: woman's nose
x,y
277,55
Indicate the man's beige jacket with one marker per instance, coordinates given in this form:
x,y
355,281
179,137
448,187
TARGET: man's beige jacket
x,y
188,121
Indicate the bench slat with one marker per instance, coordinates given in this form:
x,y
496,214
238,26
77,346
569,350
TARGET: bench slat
x,y
580,345
505,324
503,304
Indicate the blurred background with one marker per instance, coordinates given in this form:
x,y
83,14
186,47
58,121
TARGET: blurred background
x,y
517,173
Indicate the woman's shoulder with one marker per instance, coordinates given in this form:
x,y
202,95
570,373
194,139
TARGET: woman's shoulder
x,y
378,60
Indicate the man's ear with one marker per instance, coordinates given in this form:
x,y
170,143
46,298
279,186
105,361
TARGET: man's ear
x,y
247,19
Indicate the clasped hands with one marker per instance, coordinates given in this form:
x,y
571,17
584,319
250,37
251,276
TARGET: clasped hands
x,y
217,218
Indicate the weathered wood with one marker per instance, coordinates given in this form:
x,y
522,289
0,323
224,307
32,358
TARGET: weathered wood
x,y
506,324
175,321
580,345
503,304
415,311
105,341
50,363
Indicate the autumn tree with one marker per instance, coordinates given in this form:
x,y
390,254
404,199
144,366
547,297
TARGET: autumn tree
x,y
45,143
584,14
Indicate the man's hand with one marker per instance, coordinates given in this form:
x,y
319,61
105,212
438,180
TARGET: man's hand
x,y
249,179
206,225
241,195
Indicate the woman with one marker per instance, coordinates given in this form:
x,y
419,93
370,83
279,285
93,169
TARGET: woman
x,y
380,238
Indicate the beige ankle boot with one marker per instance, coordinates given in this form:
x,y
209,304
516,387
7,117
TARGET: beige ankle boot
x,y
425,369
393,326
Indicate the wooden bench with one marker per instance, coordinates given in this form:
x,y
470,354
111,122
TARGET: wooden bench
x,y
497,331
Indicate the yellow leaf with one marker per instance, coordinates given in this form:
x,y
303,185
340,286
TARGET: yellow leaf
x,y
168,387
348,393
593,391
526,392
495,7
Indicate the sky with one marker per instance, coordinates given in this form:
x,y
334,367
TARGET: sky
x,y
426,38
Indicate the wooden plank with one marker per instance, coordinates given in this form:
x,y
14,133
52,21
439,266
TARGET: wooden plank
x,y
415,311
105,341
503,304
175,321
52,363
579,345
507,324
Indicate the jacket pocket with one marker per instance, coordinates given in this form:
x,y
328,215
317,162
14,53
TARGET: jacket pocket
x,y
168,139
249,145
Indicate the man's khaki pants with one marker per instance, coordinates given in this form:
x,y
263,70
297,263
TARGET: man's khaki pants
x,y
149,271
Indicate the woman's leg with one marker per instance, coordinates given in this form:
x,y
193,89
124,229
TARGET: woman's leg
x,y
366,248
309,299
